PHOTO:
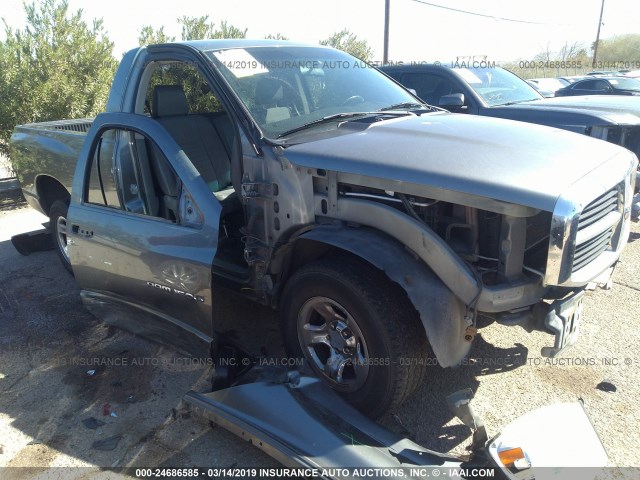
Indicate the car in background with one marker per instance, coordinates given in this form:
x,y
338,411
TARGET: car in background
x,y
603,73
541,91
496,92
572,79
618,85
547,86
633,74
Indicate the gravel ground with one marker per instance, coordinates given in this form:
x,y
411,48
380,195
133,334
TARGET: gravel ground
x,y
46,391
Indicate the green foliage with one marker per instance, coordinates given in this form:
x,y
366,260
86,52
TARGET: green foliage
x,y
199,96
57,67
193,28
277,36
149,36
199,28
349,42
623,48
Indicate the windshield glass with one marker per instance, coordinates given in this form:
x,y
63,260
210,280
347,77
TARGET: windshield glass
x,y
498,86
286,87
625,83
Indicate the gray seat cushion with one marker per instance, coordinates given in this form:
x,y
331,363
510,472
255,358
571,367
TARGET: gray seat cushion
x,y
195,134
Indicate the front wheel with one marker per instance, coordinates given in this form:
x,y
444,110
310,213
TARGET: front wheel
x,y
357,330
58,225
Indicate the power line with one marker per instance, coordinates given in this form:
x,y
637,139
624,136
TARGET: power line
x,y
480,14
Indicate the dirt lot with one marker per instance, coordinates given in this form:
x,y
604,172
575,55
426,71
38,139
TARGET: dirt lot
x,y
53,375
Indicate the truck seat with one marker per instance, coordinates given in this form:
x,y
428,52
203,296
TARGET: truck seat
x,y
274,100
194,134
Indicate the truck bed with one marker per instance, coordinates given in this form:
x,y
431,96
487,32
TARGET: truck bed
x,y
47,151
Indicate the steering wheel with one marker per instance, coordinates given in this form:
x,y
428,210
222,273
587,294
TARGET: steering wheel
x,y
288,96
353,100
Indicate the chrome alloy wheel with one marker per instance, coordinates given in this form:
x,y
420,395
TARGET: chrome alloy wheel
x,y
333,343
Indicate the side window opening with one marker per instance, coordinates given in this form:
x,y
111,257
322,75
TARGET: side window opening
x,y
102,189
130,173
200,99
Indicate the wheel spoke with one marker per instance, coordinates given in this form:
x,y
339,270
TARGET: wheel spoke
x,y
315,334
333,342
359,363
334,368
327,312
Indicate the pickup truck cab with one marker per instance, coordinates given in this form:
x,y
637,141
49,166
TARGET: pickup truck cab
x,y
492,91
308,181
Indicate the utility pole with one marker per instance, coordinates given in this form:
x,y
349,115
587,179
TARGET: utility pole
x,y
385,54
595,47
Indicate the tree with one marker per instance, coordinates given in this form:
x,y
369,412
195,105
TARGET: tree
x,y
620,49
575,51
198,95
193,28
57,67
149,36
544,56
199,28
277,36
349,42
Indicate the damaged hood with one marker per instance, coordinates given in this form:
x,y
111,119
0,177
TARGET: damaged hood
x,y
512,162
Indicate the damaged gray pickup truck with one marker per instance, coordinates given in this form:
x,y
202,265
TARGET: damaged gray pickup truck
x,y
310,182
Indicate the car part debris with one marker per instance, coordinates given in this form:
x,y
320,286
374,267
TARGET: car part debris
x,y
92,423
267,405
107,444
28,243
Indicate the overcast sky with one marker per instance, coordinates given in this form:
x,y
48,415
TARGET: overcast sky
x,y
418,31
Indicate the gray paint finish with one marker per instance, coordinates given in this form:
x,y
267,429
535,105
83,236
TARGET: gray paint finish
x,y
485,157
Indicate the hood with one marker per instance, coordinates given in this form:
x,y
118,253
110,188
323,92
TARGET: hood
x,y
577,110
513,162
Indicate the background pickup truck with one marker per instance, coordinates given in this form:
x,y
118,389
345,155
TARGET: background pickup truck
x,y
310,182
496,92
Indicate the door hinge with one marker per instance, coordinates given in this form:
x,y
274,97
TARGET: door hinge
x,y
256,190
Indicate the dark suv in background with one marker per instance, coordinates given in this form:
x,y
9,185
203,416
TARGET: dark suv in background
x,y
496,92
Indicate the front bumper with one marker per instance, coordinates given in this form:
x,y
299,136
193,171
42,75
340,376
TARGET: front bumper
x,y
337,441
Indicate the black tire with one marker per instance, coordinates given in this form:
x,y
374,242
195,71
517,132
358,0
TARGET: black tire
x,y
381,313
57,220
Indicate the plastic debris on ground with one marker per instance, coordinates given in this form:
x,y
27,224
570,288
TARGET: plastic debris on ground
x,y
92,423
107,444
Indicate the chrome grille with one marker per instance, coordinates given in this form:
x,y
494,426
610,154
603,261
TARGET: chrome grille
x,y
599,241
599,208
588,251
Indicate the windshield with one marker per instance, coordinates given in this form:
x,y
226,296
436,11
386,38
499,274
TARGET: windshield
x,y
625,83
287,87
498,86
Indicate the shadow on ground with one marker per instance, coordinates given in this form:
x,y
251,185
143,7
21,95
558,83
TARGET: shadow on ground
x,y
60,366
